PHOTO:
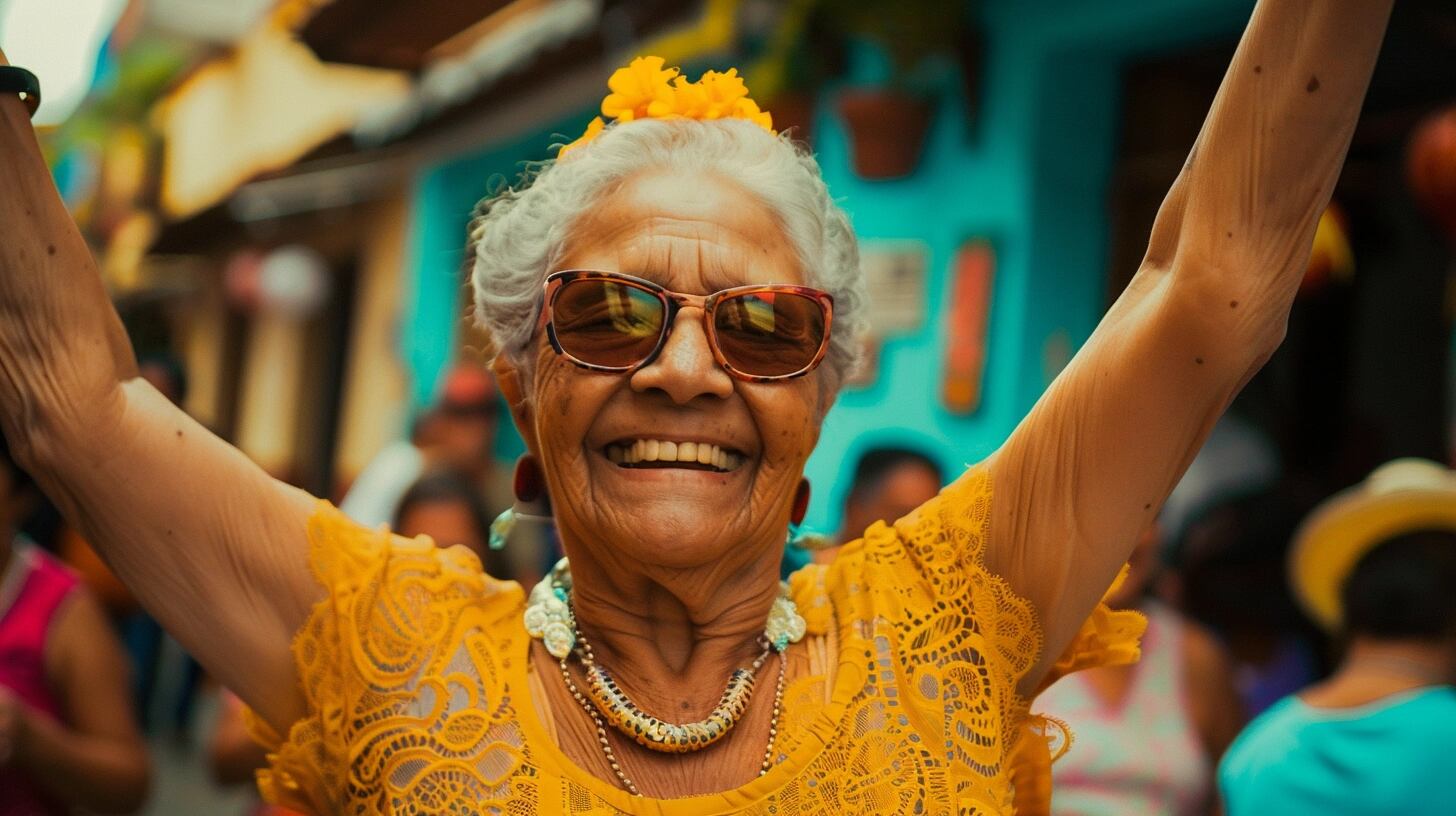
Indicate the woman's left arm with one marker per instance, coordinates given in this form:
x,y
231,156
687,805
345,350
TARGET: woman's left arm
x,y
1091,464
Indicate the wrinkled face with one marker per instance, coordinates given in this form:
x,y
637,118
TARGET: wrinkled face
x,y
604,439
464,439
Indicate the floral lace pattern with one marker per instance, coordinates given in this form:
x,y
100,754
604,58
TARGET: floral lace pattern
x,y
415,671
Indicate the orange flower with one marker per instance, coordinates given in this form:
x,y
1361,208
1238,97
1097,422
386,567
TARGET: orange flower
x,y
646,89
593,129
724,91
636,87
683,99
748,109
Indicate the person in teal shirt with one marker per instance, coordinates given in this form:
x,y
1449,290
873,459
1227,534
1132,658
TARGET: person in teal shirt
x,y
1378,565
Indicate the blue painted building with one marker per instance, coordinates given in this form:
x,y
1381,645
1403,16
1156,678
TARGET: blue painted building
x,y
1032,176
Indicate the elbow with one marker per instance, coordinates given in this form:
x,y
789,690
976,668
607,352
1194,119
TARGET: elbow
x,y
139,784
1247,317
130,788
51,433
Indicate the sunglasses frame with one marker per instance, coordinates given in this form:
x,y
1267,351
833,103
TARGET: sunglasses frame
x,y
674,302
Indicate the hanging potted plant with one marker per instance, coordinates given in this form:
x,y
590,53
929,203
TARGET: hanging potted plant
x,y
887,124
797,61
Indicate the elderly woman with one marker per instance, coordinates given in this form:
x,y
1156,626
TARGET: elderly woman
x,y
674,303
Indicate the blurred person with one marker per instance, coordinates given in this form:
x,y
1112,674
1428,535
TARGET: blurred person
x,y
1237,460
1376,564
676,300
445,506
1149,734
1230,574
457,432
68,738
888,483
455,435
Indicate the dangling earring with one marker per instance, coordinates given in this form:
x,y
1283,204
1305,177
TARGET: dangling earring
x,y
798,537
532,504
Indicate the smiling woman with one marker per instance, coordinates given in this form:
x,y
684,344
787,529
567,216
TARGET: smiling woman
x,y
675,302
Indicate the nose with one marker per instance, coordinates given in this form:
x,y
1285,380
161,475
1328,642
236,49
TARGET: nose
x,y
685,368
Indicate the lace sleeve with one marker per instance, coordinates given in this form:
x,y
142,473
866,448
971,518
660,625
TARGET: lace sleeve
x,y
384,622
960,625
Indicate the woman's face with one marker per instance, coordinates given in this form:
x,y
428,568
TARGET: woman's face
x,y
693,234
449,522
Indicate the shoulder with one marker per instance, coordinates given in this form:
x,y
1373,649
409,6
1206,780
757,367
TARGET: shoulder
x,y
1435,704
46,586
50,572
78,630
1272,734
363,570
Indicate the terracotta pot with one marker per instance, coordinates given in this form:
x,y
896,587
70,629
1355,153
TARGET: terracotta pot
x,y
887,131
1431,168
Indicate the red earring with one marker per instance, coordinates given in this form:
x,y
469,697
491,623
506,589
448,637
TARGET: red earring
x,y
529,485
803,539
801,504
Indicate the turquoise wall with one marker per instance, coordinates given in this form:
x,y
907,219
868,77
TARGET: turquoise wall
x,y
1032,176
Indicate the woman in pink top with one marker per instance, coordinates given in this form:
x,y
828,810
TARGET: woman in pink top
x,y
68,738
1149,734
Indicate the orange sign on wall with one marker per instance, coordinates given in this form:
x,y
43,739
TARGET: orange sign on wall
x,y
969,318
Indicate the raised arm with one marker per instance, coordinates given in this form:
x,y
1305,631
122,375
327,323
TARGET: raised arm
x,y
1094,460
211,546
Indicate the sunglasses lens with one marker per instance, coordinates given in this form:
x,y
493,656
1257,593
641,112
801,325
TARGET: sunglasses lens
x,y
769,334
607,323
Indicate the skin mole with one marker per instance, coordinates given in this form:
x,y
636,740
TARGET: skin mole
x,y
1313,84
1233,304
1198,360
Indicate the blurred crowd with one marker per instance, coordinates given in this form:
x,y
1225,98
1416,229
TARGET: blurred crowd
x,y
1299,658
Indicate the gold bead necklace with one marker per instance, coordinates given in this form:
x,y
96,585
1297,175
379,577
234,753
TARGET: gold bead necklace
x,y
550,618
606,745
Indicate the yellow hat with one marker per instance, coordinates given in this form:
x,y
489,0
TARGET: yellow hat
x,y
1399,497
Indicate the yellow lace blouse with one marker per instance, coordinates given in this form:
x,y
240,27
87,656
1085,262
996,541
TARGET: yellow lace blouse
x,y
416,674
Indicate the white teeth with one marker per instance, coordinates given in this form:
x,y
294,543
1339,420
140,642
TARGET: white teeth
x,y
660,450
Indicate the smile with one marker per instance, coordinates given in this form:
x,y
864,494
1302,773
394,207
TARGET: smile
x,y
661,453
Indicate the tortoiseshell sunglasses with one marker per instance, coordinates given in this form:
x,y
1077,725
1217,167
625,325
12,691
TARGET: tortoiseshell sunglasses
x,y
607,321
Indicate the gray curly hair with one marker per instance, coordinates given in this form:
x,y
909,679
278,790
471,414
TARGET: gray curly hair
x,y
518,235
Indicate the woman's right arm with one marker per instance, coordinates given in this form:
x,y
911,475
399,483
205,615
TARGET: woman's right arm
x,y
211,546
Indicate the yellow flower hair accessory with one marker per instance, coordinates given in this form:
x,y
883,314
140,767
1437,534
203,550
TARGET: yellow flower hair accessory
x,y
646,89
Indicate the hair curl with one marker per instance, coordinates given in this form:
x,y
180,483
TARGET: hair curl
x,y
517,235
